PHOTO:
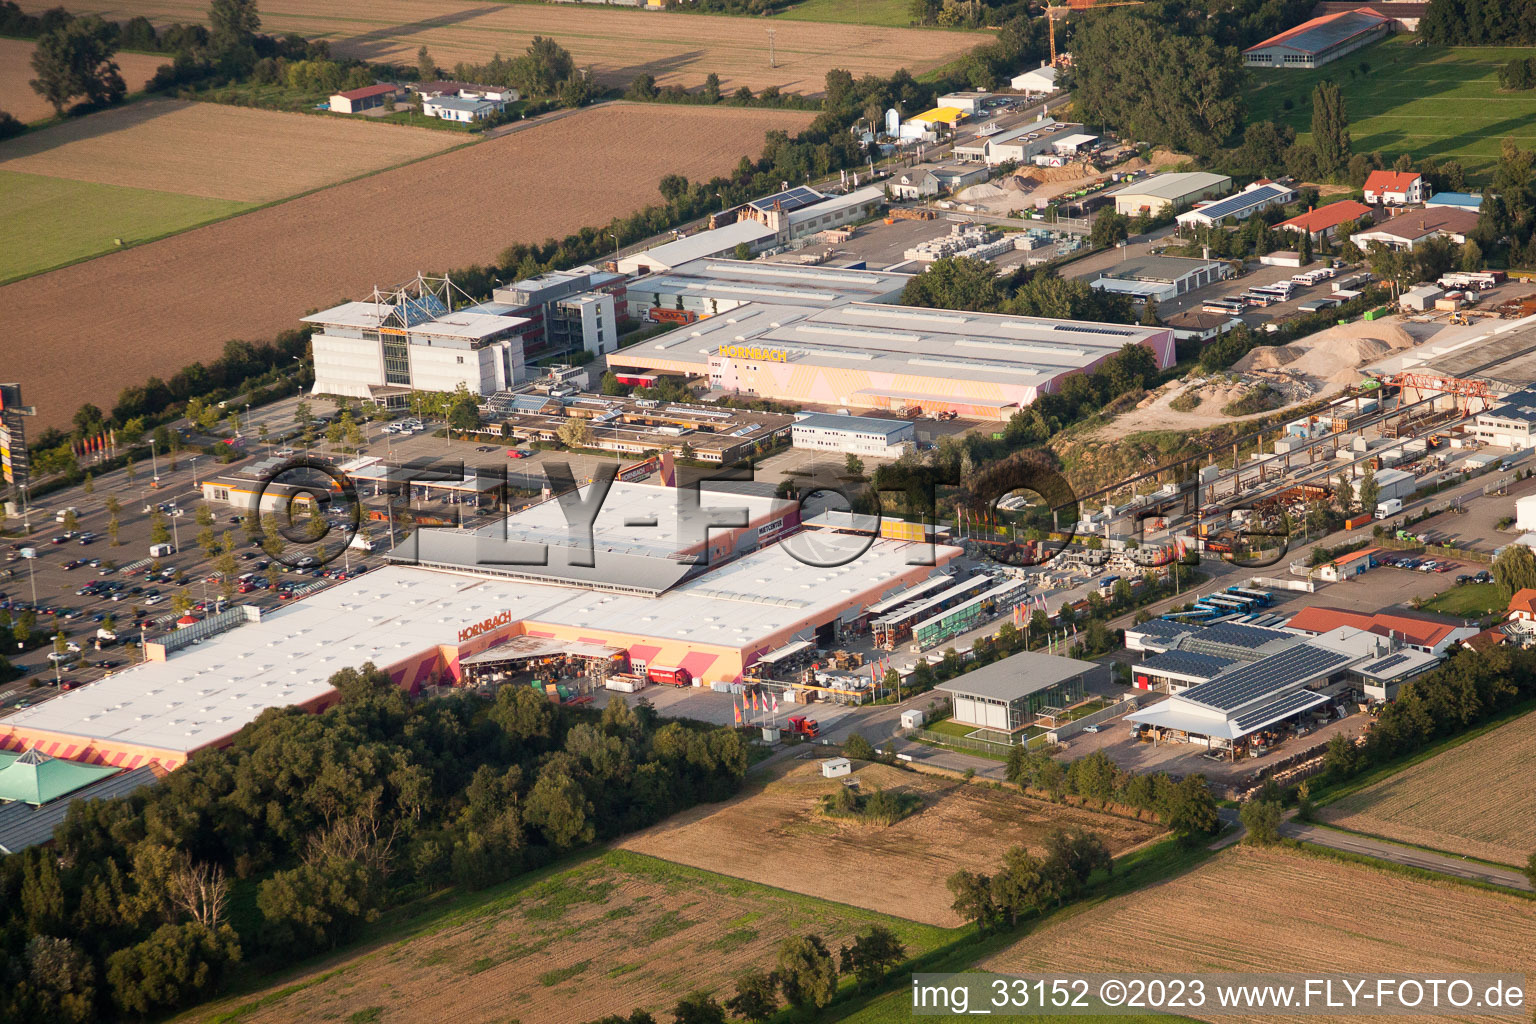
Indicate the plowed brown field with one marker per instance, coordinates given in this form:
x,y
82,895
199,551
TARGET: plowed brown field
x,y
217,151
615,933
80,334
1272,911
776,835
616,44
1476,799
17,97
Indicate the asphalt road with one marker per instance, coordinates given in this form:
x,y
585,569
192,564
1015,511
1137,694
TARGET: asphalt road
x,y
1409,856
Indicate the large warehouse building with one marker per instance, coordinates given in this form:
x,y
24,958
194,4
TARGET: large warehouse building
x,y
710,286
657,596
980,366
1314,43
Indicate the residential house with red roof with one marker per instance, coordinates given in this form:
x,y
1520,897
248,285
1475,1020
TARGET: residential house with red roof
x,y
1323,221
1395,188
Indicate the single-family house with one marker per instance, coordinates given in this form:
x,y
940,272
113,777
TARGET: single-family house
x,y
1412,228
1395,188
1323,221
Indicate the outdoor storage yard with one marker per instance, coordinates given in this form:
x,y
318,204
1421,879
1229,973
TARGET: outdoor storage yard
x,y
616,44
616,932
16,74
1313,367
777,835
340,242
149,169
1475,799
1271,911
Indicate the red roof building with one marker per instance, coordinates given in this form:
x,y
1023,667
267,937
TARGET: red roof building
x,y
1324,221
1395,188
355,101
1316,42
1429,635
1523,605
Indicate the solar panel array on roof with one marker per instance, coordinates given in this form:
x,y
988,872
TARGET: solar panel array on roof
x,y
1241,635
794,199
1165,629
1387,662
1242,201
1260,679
1275,710
1186,663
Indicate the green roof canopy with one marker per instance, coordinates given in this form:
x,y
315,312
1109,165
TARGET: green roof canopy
x,y
37,779
6,757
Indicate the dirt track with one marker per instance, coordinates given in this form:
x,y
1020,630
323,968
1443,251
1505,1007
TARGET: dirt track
x,y
616,44
82,333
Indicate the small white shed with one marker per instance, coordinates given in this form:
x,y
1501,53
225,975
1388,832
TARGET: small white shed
x,y
913,718
836,767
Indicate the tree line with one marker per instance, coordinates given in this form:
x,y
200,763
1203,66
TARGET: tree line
x,y
1479,23
1468,688
316,823
804,977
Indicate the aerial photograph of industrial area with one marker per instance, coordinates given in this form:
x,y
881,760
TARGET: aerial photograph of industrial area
x,y
767,511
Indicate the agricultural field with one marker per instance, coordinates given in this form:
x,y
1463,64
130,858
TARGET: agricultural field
x,y
776,834
1275,911
254,275
35,235
17,97
890,13
150,169
1475,799
614,933
617,44
1420,100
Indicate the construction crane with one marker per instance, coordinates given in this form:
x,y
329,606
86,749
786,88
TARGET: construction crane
x,y
1059,12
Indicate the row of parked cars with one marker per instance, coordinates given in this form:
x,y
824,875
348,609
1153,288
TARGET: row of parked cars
x,y
1418,564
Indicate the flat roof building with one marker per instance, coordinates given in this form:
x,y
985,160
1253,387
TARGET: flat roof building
x,y
1017,145
721,241
871,356
1008,696
853,435
413,340
1161,277
1316,42
648,593
711,286
1175,191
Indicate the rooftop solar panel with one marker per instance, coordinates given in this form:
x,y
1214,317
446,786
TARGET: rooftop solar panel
x,y
1388,662
793,199
1260,679
1188,663
1242,201
1277,709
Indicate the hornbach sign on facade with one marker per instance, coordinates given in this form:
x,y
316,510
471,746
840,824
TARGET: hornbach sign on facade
x,y
761,355
475,629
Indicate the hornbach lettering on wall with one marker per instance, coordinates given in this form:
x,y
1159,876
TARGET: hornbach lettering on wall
x,y
471,631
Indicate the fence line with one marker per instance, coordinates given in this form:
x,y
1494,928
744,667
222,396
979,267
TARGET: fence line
x,y
966,743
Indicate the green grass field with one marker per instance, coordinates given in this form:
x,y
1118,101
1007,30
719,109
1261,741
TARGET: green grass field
x,y
1420,100
51,222
1469,600
885,13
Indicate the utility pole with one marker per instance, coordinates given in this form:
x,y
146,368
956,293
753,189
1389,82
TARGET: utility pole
x,y
772,59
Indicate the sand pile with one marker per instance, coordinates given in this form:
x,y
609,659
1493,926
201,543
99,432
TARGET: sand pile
x,y
1334,355
982,192
1018,183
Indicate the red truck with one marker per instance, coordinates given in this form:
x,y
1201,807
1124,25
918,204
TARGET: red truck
x,y
799,725
670,676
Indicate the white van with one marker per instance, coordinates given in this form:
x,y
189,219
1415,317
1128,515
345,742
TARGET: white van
x,y
161,550
63,513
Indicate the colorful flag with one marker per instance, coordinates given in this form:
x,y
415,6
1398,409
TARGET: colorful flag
x,y
775,703
738,712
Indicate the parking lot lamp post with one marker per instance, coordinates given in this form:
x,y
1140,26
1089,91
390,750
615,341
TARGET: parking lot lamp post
x,y
615,238
154,463
175,534
192,461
